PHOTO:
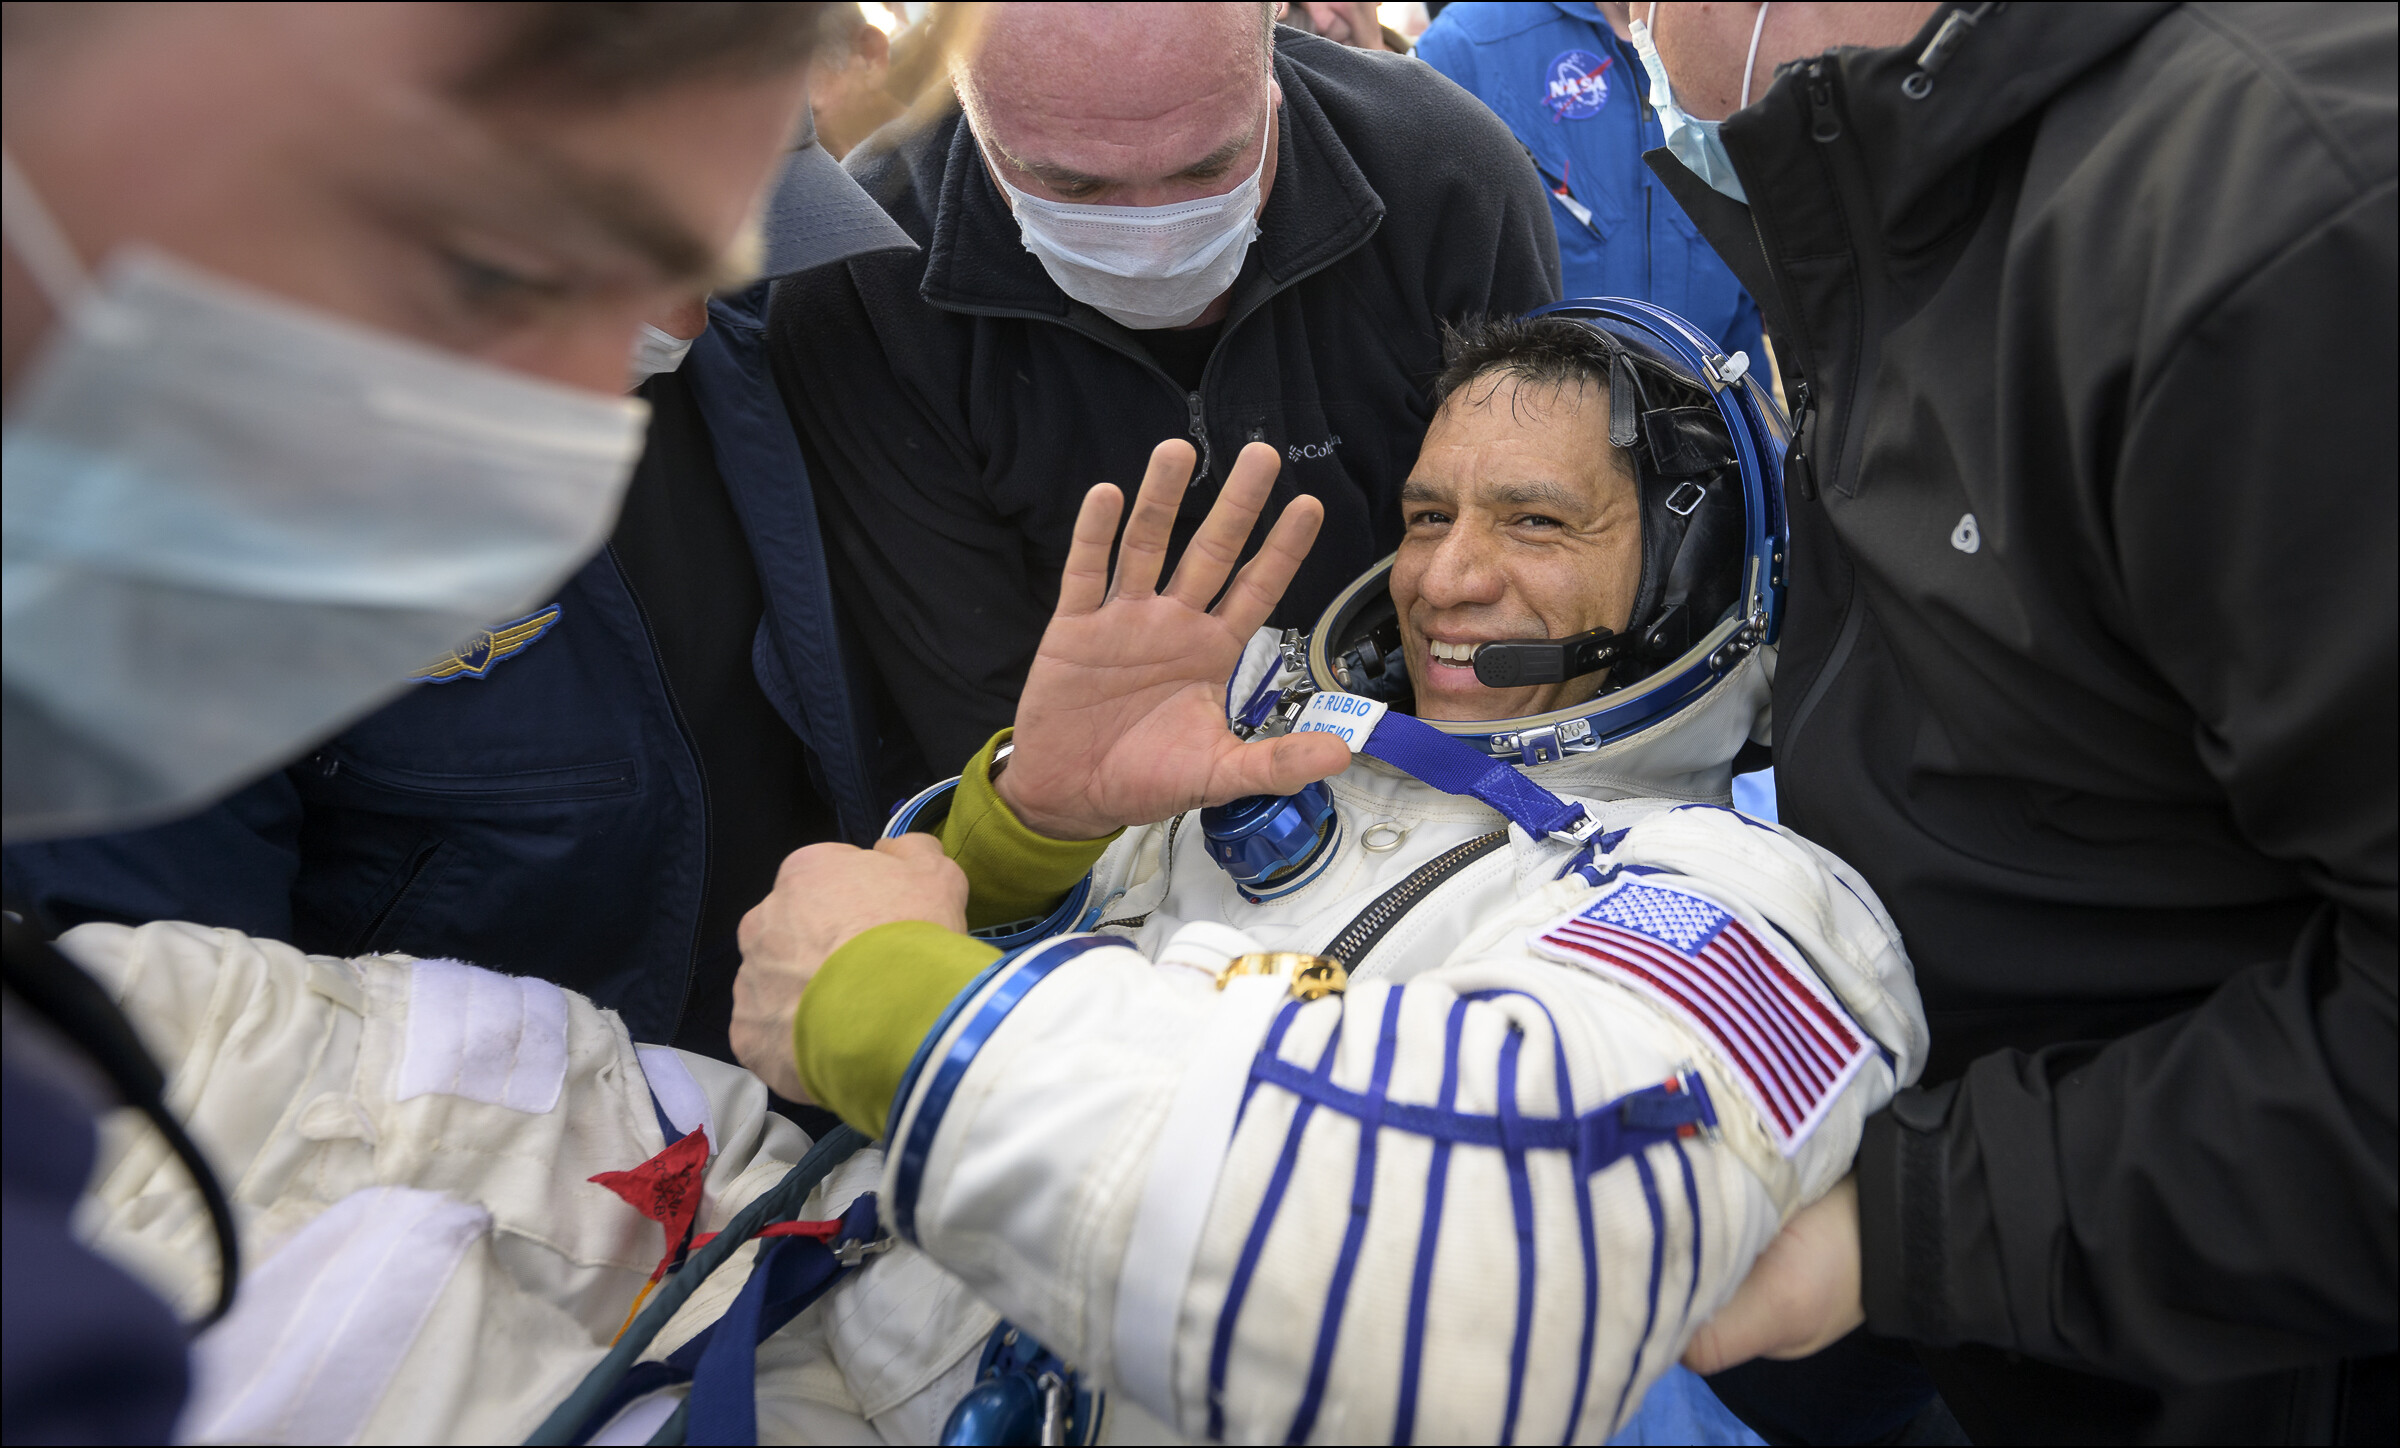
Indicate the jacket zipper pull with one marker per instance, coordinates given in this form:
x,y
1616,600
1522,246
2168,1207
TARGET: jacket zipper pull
x,y
1199,438
1799,474
1824,124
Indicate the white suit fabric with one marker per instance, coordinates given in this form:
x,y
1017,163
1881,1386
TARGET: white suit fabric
x,y
1335,1222
406,1145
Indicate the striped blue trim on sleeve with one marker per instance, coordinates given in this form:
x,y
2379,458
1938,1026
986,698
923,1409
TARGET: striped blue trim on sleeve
x,y
1246,1267
1520,1201
1030,968
1595,1140
1658,1259
1586,1230
1420,1286
1362,1199
1691,1200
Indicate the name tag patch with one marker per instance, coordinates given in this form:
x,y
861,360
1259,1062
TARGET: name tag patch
x,y
1346,716
1791,1044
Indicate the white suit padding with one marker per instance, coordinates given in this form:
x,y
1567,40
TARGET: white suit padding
x,y
437,1269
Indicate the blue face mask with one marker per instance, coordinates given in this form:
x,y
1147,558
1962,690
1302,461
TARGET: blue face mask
x,y
233,524
1692,141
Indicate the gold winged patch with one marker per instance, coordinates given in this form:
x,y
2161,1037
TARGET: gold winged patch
x,y
477,659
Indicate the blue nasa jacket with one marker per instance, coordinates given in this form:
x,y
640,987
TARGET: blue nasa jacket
x,y
1576,97
539,803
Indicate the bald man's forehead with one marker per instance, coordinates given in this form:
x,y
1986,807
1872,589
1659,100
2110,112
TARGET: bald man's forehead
x,y
1122,61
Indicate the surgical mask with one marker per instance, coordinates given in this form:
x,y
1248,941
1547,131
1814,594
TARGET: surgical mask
x,y
1692,141
1145,267
234,523
656,350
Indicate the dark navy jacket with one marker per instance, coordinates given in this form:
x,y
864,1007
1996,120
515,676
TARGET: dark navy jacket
x,y
1576,97
548,815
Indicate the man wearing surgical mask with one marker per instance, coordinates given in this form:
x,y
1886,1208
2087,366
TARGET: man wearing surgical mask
x,y
316,327
2094,692
590,787
1142,221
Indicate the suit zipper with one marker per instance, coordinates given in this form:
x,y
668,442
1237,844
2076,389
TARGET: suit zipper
x,y
1799,467
1200,423
691,745
1365,932
1166,868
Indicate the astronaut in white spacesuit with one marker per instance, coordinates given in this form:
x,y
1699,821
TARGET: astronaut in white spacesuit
x,y
1440,1099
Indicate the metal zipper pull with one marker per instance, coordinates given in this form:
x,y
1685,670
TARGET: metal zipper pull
x,y
1824,124
850,1254
1799,474
1199,438
1946,41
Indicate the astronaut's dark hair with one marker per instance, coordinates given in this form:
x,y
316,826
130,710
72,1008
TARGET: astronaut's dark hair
x,y
1541,350
1547,353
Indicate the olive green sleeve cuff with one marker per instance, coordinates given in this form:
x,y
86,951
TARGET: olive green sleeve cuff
x,y
868,1008
1012,873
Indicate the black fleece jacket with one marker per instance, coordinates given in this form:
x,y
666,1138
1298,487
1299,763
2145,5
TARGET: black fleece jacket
x,y
2089,667
955,405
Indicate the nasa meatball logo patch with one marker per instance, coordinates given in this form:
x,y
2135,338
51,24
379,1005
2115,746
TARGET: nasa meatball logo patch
x,y
1576,85
1790,1044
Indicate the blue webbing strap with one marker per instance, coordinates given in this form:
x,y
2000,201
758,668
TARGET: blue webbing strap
x,y
721,1360
1455,767
577,1417
791,1273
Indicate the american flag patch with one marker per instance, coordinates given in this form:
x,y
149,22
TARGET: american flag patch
x,y
1791,1044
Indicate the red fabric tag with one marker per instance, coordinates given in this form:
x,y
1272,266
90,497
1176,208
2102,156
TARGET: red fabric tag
x,y
666,1189
822,1231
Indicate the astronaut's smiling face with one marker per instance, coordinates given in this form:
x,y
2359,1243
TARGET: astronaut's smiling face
x,y
1521,521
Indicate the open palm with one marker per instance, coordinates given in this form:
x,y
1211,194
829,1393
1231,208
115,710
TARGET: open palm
x,y
1122,721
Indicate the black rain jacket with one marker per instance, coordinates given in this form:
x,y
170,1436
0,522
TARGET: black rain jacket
x,y
2088,316
955,405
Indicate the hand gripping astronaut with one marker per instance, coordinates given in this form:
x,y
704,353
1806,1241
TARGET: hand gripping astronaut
x,y
1438,1100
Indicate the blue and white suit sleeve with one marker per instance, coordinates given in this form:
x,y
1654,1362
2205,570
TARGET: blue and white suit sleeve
x,y
1490,1205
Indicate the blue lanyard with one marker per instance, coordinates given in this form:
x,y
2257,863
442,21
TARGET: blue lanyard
x,y
1455,767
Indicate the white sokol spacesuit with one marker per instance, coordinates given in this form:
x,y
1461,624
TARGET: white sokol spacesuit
x,y
1601,1036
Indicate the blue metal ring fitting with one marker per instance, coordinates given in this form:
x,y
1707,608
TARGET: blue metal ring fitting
x,y
1265,836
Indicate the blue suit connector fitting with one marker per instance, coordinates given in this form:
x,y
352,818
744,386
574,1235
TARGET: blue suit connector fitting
x,y
1268,843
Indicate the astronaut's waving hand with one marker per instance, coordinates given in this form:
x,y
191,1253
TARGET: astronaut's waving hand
x,y
1122,721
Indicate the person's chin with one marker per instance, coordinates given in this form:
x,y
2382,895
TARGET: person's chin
x,y
1452,694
